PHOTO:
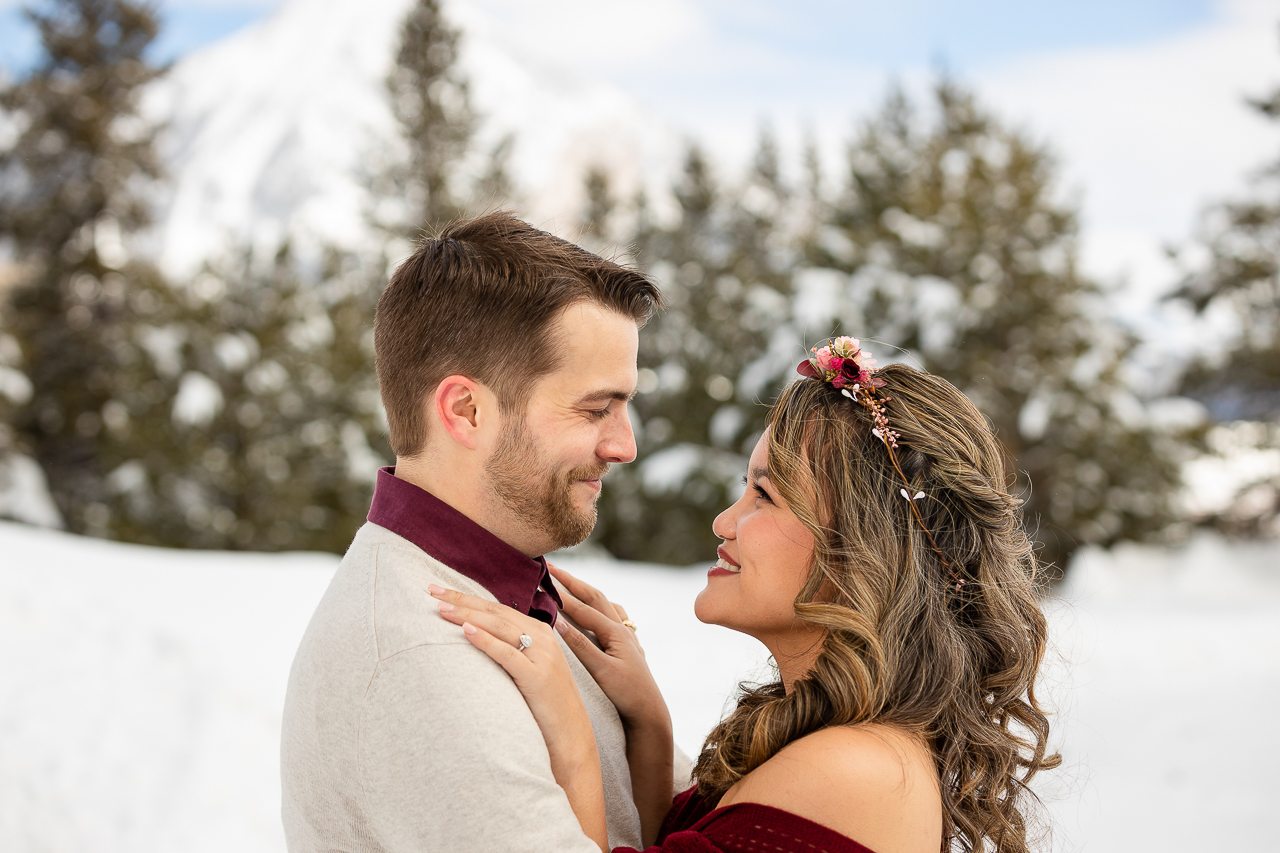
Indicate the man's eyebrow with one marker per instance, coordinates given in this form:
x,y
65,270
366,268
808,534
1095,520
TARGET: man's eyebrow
x,y
607,394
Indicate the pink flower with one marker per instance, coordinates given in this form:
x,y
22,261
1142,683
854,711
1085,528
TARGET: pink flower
x,y
846,343
842,363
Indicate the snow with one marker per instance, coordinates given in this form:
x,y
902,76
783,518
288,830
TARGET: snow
x,y
140,690
24,492
140,693
1161,656
1240,455
198,401
14,385
669,468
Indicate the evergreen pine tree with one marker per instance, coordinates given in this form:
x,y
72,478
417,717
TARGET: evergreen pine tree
x,y
495,187
431,102
72,178
1240,278
956,251
597,220
248,414
706,362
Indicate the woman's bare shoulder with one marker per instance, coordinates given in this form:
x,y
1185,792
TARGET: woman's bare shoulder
x,y
874,784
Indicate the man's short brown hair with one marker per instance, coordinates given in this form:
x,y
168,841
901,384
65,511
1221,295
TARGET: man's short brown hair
x,y
478,301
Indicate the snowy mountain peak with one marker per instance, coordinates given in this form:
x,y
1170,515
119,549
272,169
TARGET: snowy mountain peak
x,y
268,130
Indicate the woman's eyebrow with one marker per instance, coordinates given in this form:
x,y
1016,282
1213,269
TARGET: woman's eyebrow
x,y
759,473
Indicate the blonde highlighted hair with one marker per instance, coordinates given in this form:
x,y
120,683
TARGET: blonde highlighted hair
x,y
904,647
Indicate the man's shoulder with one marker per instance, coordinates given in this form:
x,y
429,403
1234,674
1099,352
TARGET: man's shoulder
x,y
372,538
403,613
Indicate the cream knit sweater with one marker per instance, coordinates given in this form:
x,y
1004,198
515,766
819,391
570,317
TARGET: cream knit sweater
x,y
400,736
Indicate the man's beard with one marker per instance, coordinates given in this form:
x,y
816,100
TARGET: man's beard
x,y
539,496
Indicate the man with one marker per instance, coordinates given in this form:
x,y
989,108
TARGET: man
x,y
506,358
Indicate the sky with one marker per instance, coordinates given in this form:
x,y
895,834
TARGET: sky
x,y
824,32
1142,101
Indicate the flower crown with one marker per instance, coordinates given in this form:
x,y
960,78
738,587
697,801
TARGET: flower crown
x,y
843,364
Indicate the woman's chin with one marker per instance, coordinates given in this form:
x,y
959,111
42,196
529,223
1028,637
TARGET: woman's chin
x,y
705,609
710,611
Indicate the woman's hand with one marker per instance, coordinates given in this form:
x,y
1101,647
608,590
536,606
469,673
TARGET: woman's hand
x,y
530,653
619,667
618,663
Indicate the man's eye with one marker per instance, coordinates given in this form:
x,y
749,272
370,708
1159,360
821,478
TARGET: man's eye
x,y
600,414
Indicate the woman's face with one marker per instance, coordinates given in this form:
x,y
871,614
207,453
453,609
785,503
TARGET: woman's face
x,y
764,561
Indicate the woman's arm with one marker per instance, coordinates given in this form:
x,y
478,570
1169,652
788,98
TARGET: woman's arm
x,y
542,674
619,667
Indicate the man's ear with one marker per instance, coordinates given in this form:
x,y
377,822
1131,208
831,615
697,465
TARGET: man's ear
x,y
461,405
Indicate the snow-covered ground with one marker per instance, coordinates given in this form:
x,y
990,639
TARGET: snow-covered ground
x,y
140,691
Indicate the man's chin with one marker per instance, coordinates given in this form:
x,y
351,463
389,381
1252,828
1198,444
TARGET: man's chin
x,y
566,535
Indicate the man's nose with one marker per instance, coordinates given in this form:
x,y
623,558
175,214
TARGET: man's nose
x,y
619,444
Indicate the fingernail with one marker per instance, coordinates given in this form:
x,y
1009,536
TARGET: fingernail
x,y
468,628
435,589
561,626
445,607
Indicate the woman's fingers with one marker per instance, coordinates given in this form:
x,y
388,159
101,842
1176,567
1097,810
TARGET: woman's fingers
x,y
582,648
461,599
497,620
586,593
605,628
503,653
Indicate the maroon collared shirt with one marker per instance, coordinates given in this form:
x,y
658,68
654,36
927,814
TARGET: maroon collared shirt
x,y
517,580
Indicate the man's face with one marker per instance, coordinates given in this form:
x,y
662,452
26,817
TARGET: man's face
x,y
547,466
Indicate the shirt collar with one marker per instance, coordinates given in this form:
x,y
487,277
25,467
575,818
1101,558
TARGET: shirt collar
x,y
517,580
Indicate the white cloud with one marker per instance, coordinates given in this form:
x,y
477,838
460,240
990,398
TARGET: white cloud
x,y
1149,133
265,5
591,32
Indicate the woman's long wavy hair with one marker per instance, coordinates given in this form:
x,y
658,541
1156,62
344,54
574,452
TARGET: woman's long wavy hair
x,y
903,646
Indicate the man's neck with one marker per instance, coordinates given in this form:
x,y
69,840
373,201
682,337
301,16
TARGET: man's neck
x,y
452,482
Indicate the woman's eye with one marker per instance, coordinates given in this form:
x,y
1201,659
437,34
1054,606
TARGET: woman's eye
x,y
761,493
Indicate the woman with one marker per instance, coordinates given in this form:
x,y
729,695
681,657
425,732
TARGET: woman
x,y
879,557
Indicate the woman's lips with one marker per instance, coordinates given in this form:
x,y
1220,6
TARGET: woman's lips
x,y
724,566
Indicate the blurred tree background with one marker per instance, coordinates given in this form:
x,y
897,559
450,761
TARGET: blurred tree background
x,y
957,251
72,182
238,409
941,238
1233,273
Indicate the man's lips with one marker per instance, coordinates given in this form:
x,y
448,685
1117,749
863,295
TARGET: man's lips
x,y
593,478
